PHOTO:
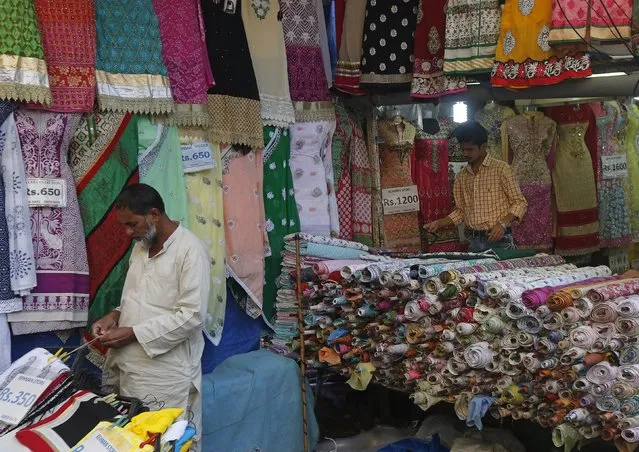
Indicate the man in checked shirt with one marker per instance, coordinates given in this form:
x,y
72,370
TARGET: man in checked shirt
x,y
487,197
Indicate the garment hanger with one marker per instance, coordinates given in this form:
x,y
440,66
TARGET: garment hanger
x,y
490,105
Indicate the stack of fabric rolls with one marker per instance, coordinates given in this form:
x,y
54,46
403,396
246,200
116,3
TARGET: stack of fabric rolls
x,y
530,338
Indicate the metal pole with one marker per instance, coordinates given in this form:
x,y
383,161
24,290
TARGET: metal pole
x,y
300,327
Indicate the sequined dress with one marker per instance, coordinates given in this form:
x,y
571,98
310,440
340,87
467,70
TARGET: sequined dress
x,y
530,138
491,118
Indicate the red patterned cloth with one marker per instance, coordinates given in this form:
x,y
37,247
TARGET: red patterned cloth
x,y
68,37
341,166
361,178
616,289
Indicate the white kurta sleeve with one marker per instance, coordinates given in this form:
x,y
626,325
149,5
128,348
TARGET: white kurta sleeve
x,y
160,334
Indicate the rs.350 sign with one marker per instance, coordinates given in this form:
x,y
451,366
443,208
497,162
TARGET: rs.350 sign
x,y
46,192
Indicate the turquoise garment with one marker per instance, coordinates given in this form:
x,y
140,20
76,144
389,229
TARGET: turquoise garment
x,y
160,162
128,37
332,252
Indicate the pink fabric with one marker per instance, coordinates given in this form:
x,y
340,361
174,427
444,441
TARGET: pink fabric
x,y
184,49
361,188
622,288
534,298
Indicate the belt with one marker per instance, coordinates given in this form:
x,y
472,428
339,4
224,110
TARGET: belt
x,y
485,233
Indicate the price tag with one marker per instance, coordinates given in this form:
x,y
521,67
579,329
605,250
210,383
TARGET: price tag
x,y
104,441
614,166
46,192
457,167
400,200
19,396
197,157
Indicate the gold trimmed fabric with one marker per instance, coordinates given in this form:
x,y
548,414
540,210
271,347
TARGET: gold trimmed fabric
x,y
186,115
135,93
235,120
314,111
24,79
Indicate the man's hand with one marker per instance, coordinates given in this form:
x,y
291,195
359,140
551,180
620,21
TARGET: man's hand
x,y
496,233
433,226
118,337
105,324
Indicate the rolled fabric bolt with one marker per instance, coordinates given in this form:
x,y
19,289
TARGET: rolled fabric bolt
x,y
424,303
602,372
608,403
435,307
466,329
340,301
602,389
630,406
583,337
384,305
433,286
515,358
478,355
565,393
552,386
582,385
629,355
590,431
493,367
555,336
445,347
543,311
579,368
628,306
531,362
413,311
587,400
366,311
516,310
630,374
494,325
324,321
570,315
412,375
615,344
529,324
631,434
584,307
628,326
510,342
604,312
549,363
566,436
609,434
525,339
628,422
554,321
342,348
623,390
447,335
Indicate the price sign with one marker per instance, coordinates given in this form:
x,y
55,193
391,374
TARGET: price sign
x,y
197,157
19,396
400,200
104,440
614,166
46,192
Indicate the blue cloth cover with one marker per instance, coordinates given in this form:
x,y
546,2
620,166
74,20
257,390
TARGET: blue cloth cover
x,y
415,445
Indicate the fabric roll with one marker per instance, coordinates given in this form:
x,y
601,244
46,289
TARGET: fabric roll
x,y
604,312
628,307
602,372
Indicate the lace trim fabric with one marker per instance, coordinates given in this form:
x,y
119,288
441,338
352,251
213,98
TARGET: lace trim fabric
x,y
276,112
235,120
314,111
187,115
140,106
25,93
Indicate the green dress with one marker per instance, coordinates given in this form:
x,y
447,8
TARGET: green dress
x,y
279,207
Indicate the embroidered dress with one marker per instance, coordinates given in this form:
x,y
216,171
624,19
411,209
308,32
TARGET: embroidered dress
x,y
524,56
62,293
206,221
601,20
23,71
361,182
428,69
614,219
387,56
279,208
573,177
234,102
306,74
350,33
528,141
342,169
186,59
632,156
265,37
491,118
160,161
472,31
68,38
103,157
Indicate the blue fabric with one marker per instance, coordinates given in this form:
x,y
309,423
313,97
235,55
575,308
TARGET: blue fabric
x,y
415,445
253,402
24,343
477,408
241,335
332,252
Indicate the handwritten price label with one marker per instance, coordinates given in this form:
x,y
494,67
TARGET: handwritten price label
x,y
197,157
614,166
19,396
46,192
400,200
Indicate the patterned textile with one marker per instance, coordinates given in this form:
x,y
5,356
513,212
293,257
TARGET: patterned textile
x,y
186,59
614,218
68,38
360,186
472,31
62,293
530,140
265,37
306,75
350,32
103,159
573,177
601,20
377,215
280,209
482,209
234,102
428,68
129,67
491,118
22,265
387,54
246,240
632,153
23,71
341,150
323,240
613,290
206,220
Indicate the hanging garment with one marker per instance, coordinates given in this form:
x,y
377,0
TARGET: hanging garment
x,y
280,209
524,56
130,71
614,218
573,177
599,20
62,292
429,170
23,71
397,141
428,69
529,140
68,38
324,42
350,31
387,56
246,239
360,186
491,117
103,157
234,102
22,265
206,221
632,156
341,148
186,59
314,193
306,75
160,162
5,343
472,31
265,37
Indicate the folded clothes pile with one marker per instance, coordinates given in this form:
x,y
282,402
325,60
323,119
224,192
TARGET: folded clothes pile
x,y
531,338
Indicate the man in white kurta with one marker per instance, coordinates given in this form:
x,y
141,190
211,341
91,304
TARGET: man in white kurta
x,y
164,303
